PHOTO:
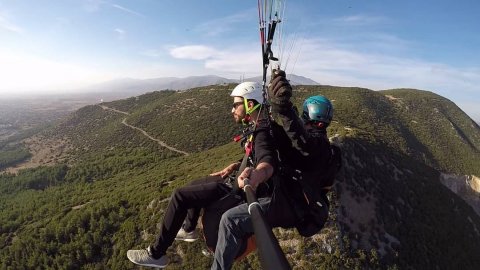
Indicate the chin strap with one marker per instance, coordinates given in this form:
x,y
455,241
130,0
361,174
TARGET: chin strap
x,y
247,110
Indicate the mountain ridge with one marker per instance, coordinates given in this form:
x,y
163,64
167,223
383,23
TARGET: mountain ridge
x,y
132,87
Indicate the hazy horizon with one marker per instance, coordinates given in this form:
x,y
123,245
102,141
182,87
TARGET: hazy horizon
x,y
62,46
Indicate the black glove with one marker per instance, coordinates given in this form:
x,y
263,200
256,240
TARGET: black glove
x,y
280,90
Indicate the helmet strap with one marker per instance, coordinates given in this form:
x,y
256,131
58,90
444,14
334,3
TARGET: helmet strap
x,y
249,111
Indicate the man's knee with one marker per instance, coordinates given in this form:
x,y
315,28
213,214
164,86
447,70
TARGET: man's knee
x,y
226,221
235,222
178,195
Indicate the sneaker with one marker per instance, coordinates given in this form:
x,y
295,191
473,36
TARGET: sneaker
x,y
207,253
144,257
182,235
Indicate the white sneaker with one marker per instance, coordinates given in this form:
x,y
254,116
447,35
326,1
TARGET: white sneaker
x,y
207,253
182,235
144,257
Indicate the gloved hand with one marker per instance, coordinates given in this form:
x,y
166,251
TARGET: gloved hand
x,y
279,90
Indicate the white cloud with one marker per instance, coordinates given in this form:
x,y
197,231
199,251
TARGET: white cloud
x,y
121,34
127,10
239,59
379,71
233,61
331,63
7,25
328,63
92,5
360,19
221,25
193,52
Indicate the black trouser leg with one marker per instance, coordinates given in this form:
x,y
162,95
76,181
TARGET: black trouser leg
x,y
193,214
191,221
184,198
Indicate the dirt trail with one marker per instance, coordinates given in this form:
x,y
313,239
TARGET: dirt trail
x,y
113,110
162,143
50,151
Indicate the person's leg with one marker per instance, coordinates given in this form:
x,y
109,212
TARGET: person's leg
x,y
212,215
193,214
191,196
234,229
191,220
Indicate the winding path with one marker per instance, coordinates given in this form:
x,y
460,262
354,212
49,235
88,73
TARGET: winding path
x,y
162,143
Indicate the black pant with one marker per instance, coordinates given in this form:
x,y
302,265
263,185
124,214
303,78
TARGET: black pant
x,y
188,199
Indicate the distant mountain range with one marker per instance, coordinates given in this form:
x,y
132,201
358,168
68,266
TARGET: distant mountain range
x,y
127,87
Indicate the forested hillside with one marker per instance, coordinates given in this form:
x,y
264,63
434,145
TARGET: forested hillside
x,y
450,139
389,208
193,120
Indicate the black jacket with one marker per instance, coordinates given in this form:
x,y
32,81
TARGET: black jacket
x,y
304,156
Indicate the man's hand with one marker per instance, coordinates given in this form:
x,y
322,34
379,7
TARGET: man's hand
x,y
256,176
245,175
279,89
228,170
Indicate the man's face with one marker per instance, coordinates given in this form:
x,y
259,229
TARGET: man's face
x,y
238,109
309,126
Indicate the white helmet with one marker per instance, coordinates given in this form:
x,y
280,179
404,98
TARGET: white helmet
x,y
249,90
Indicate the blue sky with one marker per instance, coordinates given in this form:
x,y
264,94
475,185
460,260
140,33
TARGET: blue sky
x,y
53,45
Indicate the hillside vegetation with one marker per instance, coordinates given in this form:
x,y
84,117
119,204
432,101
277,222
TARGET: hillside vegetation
x,y
451,139
389,208
193,120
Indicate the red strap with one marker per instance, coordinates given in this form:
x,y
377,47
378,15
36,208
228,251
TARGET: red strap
x,y
248,148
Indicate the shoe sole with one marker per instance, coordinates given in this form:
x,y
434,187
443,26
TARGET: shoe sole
x,y
186,240
152,265
207,253
148,265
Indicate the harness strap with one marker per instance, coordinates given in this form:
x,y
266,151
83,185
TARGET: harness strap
x,y
243,165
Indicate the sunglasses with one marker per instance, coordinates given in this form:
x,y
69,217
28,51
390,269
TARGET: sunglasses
x,y
236,104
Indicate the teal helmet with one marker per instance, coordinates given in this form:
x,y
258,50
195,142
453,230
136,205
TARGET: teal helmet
x,y
317,109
